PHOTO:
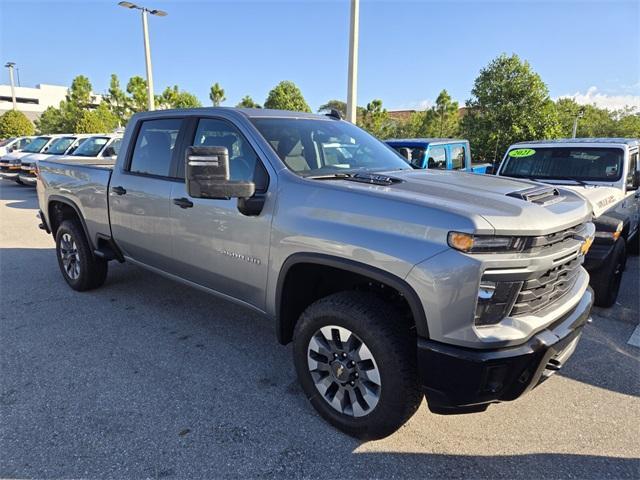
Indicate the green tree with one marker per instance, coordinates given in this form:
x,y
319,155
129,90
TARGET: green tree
x,y
15,124
100,120
627,124
50,121
173,97
137,90
338,105
117,100
593,122
443,119
248,102
216,94
509,103
286,96
375,119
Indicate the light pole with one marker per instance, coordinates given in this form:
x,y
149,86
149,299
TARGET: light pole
x,y
580,114
352,89
10,66
147,49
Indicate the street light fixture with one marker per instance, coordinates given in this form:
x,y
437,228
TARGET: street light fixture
x,y
10,66
147,50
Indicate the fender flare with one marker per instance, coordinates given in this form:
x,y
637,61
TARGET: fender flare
x,y
70,203
379,275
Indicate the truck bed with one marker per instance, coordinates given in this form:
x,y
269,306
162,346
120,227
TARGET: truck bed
x,y
85,183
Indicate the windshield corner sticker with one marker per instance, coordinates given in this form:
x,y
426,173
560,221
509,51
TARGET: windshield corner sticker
x,y
522,152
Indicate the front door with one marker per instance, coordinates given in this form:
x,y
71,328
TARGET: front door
x,y
214,244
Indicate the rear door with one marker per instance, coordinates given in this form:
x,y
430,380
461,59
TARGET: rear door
x,y
214,244
139,193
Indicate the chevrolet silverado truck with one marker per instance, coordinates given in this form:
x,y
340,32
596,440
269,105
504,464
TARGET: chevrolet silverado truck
x,y
392,283
438,153
606,172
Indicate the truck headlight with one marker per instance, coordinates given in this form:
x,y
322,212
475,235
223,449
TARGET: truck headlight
x,y
495,300
468,243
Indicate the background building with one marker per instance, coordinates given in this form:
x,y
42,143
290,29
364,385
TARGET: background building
x,y
33,101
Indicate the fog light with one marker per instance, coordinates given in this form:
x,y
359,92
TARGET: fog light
x,y
495,300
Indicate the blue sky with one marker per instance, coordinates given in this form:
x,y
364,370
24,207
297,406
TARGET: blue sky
x,y
409,50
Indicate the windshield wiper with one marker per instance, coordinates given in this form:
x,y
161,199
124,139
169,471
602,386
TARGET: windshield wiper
x,y
577,180
330,176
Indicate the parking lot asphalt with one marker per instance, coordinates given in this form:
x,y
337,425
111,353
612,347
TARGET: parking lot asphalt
x,y
146,378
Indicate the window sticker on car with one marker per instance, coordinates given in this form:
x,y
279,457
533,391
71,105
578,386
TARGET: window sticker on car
x,y
522,152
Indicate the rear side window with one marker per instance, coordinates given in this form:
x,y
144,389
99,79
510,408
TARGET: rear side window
x,y
154,147
457,157
437,158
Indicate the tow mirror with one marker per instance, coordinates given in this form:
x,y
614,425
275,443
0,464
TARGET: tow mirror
x,y
108,152
207,175
491,170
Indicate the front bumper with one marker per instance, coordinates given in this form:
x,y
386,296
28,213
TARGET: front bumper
x,y
28,179
9,174
457,377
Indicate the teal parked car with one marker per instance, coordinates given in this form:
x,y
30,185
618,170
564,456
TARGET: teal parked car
x,y
438,153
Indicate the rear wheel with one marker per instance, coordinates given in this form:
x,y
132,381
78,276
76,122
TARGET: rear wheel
x,y
356,361
606,280
79,267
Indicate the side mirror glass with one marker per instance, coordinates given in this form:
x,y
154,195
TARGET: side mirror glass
x,y
207,175
633,181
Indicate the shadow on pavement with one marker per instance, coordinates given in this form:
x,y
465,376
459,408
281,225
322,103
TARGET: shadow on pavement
x,y
18,196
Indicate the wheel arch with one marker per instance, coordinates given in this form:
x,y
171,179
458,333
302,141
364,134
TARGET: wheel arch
x,y
288,311
59,209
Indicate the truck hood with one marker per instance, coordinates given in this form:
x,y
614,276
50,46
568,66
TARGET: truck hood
x,y
35,157
495,199
600,198
13,157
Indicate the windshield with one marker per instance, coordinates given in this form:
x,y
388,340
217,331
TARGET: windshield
x,y
565,163
37,144
323,147
60,145
91,147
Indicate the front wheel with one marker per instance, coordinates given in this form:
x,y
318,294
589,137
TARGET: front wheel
x,y
606,280
80,269
356,361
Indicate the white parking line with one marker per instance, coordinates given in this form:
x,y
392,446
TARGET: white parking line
x,y
634,339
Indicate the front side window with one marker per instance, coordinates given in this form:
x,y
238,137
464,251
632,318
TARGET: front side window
x,y
60,145
244,164
91,147
457,157
311,147
37,144
437,157
565,163
154,147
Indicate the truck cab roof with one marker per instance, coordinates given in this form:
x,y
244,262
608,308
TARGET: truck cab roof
x,y
601,141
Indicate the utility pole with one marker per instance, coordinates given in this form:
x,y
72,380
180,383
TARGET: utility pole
x,y
352,89
580,114
10,66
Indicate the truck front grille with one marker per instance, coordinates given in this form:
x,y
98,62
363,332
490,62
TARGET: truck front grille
x,y
537,293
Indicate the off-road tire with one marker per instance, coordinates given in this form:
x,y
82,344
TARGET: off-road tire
x,y
606,280
92,271
392,343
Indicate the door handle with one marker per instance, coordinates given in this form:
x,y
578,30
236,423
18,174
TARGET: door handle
x,y
118,190
183,202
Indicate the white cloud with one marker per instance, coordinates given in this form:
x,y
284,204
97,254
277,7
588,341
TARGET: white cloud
x,y
414,105
603,100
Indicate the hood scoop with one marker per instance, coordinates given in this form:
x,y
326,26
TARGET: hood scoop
x,y
539,195
373,179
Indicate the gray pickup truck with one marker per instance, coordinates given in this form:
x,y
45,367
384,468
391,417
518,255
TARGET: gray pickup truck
x,y
392,283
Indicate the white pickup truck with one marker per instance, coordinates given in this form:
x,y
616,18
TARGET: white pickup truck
x,y
606,172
